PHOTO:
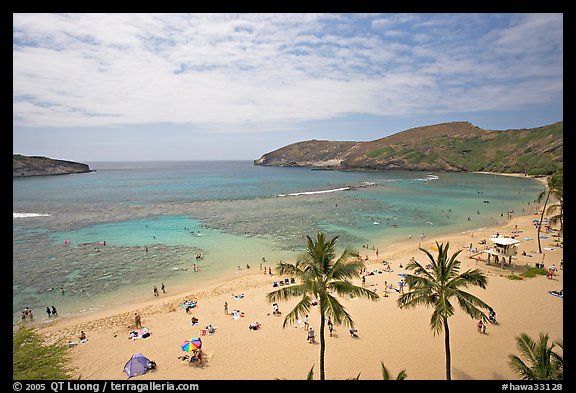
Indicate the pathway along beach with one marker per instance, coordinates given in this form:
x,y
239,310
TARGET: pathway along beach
x,y
401,338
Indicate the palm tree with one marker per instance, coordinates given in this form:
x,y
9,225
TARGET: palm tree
x,y
543,362
320,275
438,286
555,186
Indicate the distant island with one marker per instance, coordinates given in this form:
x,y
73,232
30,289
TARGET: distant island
x,y
23,166
455,146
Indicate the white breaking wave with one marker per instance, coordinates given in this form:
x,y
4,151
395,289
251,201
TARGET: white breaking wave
x,y
314,192
24,215
429,177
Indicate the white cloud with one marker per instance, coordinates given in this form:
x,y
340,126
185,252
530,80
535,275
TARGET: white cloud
x,y
224,71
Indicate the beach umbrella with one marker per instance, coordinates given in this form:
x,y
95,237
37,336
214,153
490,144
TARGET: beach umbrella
x,y
191,345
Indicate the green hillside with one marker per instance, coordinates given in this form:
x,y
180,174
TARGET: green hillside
x,y
456,146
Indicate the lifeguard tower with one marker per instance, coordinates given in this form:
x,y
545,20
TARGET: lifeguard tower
x,y
504,247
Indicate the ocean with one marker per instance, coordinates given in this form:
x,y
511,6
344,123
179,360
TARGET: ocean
x,y
85,242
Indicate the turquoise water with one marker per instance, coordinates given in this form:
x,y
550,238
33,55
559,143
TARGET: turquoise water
x,y
157,217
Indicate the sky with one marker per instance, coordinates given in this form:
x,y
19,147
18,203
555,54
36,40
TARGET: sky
x,y
144,87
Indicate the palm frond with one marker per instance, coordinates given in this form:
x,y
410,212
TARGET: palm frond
x,y
344,269
288,269
520,368
345,288
336,311
286,293
310,376
537,360
386,375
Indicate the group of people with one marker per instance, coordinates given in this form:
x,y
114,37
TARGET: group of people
x,y
51,311
311,338
27,315
481,326
163,288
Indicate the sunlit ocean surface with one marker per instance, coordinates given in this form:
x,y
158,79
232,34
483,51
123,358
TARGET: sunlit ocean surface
x,y
156,217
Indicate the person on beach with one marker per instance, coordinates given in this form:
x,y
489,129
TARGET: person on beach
x,y
137,320
163,288
225,308
48,311
82,336
310,337
196,359
54,311
353,332
492,315
254,326
306,320
275,309
330,325
200,356
155,291
480,326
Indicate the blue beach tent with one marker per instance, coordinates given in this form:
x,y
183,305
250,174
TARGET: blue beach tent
x,y
137,365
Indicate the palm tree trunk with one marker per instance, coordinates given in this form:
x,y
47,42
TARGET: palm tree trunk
x,y
322,342
447,348
541,219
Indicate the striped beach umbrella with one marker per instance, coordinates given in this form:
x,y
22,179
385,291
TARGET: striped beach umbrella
x,y
191,345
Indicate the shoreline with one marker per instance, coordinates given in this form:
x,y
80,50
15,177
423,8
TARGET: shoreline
x,y
386,251
169,325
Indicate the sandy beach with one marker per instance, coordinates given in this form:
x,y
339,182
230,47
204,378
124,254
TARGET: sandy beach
x,y
401,338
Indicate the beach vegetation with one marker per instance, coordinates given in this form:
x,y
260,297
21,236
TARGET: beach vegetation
x,y
534,271
513,276
34,360
322,274
537,360
386,374
439,287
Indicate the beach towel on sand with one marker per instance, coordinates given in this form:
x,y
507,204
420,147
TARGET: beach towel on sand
x,y
140,333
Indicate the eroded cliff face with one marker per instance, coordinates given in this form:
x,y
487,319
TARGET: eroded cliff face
x,y
314,153
24,166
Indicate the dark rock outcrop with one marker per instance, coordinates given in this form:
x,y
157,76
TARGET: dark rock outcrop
x,y
23,166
